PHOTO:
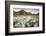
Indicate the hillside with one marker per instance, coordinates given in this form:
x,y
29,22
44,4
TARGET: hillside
x,y
22,12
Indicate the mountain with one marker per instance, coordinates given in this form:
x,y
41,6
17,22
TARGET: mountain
x,y
22,12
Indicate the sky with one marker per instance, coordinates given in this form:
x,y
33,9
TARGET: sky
x,y
33,11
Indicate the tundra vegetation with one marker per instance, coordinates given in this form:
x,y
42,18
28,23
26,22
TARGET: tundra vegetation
x,y
24,19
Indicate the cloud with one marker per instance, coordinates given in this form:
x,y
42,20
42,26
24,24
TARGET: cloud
x,y
33,11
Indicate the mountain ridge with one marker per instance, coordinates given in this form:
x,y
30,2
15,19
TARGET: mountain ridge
x,y
22,12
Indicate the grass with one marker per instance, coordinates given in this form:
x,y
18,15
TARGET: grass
x,y
19,22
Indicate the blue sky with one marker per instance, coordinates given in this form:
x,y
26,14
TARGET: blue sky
x,y
33,11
